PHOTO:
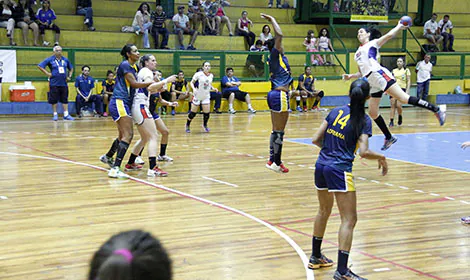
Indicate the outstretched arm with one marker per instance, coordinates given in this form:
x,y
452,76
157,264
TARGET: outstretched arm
x,y
277,32
390,34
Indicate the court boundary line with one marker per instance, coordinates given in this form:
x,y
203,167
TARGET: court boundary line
x,y
295,246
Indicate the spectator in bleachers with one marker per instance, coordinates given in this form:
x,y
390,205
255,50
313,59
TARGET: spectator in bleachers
x,y
58,78
445,28
158,18
243,29
265,34
179,90
254,61
195,14
431,31
324,45
135,255
311,43
181,22
221,17
24,17
278,3
107,92
84,85
6,20
142,23
46,17
211,24
231,90
423,77
84,8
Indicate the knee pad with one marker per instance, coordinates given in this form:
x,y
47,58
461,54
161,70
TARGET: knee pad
x,y
191,115
321,94
206,115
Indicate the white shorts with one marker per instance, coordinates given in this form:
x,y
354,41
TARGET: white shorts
x,y
380,81
198,102
140,111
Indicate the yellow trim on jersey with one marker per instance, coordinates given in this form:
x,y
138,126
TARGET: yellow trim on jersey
x,y
281,63
349,181
120,107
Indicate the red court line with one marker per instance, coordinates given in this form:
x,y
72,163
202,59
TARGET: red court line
x,y
286,228
368,210
369,255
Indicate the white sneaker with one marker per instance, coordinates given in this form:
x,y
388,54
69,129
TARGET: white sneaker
x,y
156,172
232,111
107,160
115,172
86,21
164,158
139,160
251,110
46,43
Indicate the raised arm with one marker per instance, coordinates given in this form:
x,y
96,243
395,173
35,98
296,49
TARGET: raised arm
x,y
390,34
277,32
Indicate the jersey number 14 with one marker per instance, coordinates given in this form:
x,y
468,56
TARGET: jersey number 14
x,y
343,121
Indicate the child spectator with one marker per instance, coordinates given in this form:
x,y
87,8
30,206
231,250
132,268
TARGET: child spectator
x,y
254,61
310,43
324,45
108,88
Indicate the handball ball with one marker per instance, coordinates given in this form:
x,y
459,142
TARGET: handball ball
x,y
406,21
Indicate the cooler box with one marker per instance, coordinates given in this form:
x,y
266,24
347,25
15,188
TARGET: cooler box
x,y
22,93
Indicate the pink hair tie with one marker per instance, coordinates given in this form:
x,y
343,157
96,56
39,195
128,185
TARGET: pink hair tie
x,y
125,253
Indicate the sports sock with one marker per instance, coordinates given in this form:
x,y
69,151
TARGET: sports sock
x,y
132,159
315,104
121,152
163,149
277,146
343,261
413,100
206,118
383,127
152,162
316,246
113,148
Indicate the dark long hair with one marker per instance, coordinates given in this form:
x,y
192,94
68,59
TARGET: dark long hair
x,y
126,49
374,32
148,259
358,93
144,4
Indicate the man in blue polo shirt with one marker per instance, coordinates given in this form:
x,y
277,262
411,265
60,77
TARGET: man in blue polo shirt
x,y
58,77
230,91
85,85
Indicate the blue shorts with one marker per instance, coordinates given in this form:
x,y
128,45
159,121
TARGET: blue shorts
x,y
278,101
118,109
333,180
155,116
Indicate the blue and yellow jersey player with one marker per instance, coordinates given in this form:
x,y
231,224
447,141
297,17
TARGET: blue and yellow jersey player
x,y
278,97
344,130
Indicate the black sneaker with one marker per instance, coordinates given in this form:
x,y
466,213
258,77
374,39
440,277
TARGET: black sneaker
x,y
348,276
316,263
400,119
391,124
388,143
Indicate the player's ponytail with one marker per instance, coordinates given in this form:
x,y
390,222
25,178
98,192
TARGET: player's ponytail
x,y
358,93
125,50
144,59
374,33
131,255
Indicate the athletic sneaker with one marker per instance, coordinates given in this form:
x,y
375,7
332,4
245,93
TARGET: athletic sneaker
x,y
68,118
139,160
251,110
55,118
441,114
188,130
231,111
388,143
164,158
115,172
133,167
173,112
274,167
316,263
465,220
298,108
206,129
348,276
107,160
156,172
390,124
400,119
305,109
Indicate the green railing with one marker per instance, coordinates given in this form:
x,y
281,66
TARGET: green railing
x,y
171,61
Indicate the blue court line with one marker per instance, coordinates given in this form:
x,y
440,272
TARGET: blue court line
x,y
437,149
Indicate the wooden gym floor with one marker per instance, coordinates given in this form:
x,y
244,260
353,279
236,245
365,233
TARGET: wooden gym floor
x,y
221,214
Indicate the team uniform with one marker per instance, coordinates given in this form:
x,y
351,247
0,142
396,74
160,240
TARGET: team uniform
x,y
401,77
202,94
379,78
140,104
334,164
121,101
179,85
307,81
278,100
